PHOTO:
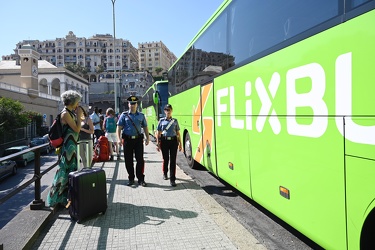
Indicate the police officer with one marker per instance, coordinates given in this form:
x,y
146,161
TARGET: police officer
x,y
129,128
168,140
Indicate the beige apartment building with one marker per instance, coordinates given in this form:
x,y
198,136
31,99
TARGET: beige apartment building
x,y
101,55
153,56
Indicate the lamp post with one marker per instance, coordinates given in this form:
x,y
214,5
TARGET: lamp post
x,y
114,55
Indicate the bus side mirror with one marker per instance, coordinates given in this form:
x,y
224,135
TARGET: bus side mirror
x,y
155,96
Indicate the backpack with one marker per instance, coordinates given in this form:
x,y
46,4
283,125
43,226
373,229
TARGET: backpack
x,y
56,133
110,125
101,150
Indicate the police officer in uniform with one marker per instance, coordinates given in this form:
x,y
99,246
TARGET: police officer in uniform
x,y
168,140
129,134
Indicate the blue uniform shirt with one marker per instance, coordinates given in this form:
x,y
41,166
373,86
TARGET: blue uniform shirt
x,y
172,130
128,127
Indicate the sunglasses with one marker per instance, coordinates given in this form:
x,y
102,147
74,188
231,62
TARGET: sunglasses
x,y
133,103
167,109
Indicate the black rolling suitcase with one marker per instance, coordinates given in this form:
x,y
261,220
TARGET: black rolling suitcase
x,y
87,193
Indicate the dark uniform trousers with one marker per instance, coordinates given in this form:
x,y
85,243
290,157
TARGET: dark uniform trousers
x,y
169,147
134,146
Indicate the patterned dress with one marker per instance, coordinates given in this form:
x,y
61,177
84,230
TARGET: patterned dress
x,y
68,163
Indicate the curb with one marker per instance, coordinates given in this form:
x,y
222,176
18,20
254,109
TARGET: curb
x,y
25,227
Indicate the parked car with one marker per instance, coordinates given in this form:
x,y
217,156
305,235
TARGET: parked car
x,y
23,159
39,141
7,167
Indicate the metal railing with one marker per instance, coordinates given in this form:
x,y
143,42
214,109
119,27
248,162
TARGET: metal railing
x,y
37,203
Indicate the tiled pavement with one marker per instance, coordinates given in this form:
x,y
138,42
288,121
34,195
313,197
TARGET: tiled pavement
x,y
154,217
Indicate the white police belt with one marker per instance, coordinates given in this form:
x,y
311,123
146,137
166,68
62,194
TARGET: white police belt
x,y
169,138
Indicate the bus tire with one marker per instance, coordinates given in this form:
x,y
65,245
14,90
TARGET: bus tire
x,y
188,151
367,234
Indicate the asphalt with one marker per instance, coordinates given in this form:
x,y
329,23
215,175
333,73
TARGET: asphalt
x,y
154,217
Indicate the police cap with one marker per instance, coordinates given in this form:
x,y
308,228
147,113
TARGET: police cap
x,y
168,106
132,99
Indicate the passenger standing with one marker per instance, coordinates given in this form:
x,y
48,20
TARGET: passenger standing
x,y
85,136
96,121
168,140
109,126
101,117
71,123
129,128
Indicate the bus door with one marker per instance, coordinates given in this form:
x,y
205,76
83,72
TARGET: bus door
x,y
360,176
158,105
206,151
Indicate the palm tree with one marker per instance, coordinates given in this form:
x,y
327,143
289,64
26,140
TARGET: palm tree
x,y
158,70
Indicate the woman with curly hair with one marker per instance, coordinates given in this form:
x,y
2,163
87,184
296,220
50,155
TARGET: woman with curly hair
x,y
71,122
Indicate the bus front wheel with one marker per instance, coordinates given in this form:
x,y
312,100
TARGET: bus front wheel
x,y
188,151
367,234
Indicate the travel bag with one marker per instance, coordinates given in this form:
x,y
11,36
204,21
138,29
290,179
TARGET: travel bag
x,y
101,150
87,193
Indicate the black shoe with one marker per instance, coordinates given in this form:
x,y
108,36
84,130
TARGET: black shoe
x,y
173,184
142,183
111,159
118,157
130,183
165,177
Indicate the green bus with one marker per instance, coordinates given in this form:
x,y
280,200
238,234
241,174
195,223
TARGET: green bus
x,y
153,102
277,98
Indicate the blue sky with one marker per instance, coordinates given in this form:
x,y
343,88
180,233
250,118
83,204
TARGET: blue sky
x,y
174,22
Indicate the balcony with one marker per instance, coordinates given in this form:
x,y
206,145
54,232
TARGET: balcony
x,y
25,91
70,60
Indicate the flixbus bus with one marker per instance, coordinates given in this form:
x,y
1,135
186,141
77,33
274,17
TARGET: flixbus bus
x,y
277,98
153,102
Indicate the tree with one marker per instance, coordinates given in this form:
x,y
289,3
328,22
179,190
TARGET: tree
x,y
99,69
12,114
77,69
158,70
38,119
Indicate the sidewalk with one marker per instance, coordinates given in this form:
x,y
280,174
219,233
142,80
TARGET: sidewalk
x,y
154,217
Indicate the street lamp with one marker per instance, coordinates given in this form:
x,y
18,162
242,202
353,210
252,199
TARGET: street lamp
x,y
114,56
